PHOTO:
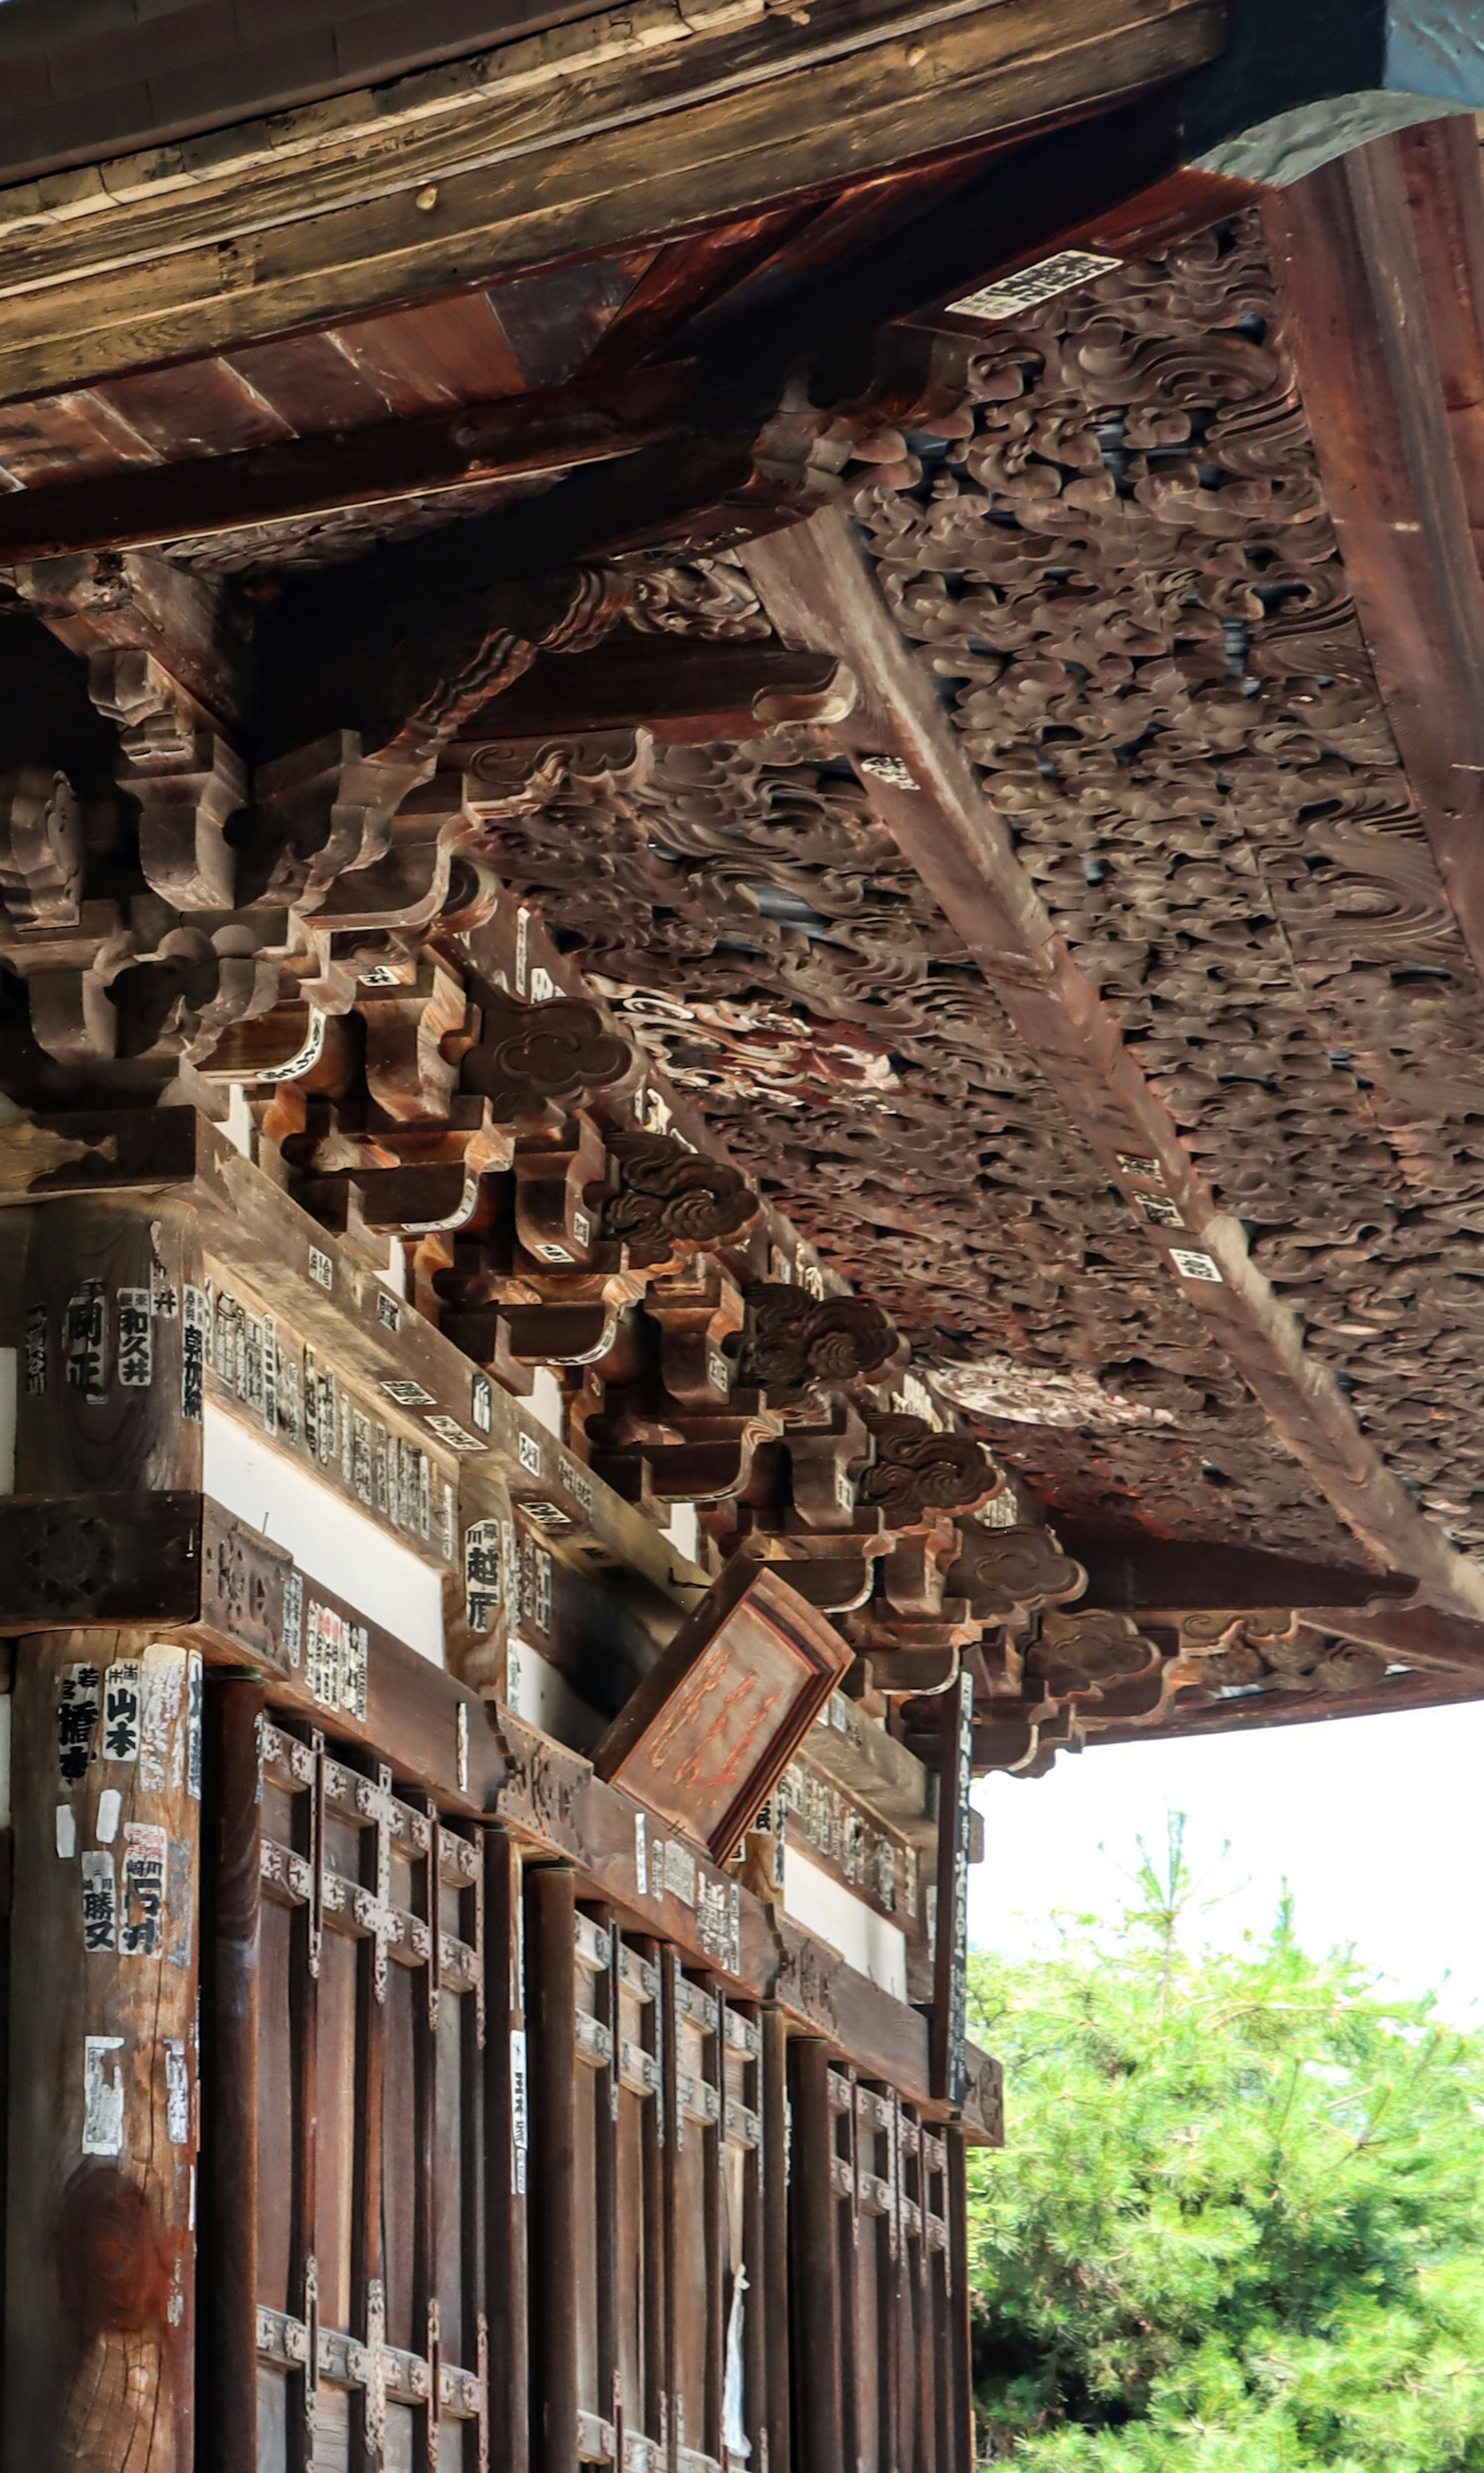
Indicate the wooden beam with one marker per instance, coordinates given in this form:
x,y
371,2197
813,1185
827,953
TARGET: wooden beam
x,y
1380,258
550,164
1150,1574
1421,1637
1258,1711
683,690
548,432
820,591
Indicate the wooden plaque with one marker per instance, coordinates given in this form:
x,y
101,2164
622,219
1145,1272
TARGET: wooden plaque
x,y
719,1717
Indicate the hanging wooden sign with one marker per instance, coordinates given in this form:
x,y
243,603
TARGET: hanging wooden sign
x,y
719,1717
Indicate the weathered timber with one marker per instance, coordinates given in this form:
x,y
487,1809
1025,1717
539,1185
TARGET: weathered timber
x,y
547,432
1380,258
816,585
686,690
232,1907
354,1318
763,116
1150,1574
551,1993
104,2122
818,2404
1258,1711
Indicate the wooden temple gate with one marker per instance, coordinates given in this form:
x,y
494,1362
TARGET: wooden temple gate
x,y
741,1021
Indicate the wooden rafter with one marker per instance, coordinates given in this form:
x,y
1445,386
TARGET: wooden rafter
x,y
817,586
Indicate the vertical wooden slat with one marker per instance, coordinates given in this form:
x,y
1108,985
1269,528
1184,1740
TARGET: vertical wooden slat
x,y
605,2099
478,2026
951,1960
368,2264
507,2157
657,2251
304,2032
817,2400
774,2202
428,2334
232,1906
100,2335
551,1990
714,2251
960,2364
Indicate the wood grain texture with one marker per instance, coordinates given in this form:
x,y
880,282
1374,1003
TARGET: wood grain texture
x,y
764,127
102,2127
817,586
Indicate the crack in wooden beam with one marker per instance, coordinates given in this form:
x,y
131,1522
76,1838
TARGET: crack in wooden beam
x,y
818,587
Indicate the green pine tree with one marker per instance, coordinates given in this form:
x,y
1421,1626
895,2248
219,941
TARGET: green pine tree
x,y
1238,2226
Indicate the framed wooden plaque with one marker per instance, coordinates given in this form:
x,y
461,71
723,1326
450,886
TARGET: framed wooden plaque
x,y
719,1717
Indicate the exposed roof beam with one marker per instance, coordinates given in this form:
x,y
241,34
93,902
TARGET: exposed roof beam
x,y
547,160
1150,1574
548,432
820,591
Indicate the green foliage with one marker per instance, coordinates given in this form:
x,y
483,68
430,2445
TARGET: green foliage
x,y
1239,2224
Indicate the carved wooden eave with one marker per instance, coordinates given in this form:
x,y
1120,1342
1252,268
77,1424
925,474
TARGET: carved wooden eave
x,y
938,809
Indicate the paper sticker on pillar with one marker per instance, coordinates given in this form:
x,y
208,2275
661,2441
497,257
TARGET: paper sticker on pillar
x,y
195,1327
121,1704
100,1903
35,1352
178,2092
1195,1267
136,1340
449,1430
519,2112
142,1920
482,1403
78,1711
1159,1207
103,2096
408,1395
482,1588
86,1343
889,770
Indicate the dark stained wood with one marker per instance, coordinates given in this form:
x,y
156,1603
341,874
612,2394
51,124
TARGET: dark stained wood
x,y
950,1956
1155,1572
681,689
815,583
1359,251
230,1921
507,2154
223,491
772,2303
818,112
551,1991
818,2403
102,2126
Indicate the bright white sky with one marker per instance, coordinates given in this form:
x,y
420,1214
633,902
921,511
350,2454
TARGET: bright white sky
x,y
1376,1823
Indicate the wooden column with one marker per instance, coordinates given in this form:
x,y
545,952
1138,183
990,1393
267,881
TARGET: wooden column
x,y
231,1907
818,2401
959,2365
100,2336
551,1992
506,2155
770,2315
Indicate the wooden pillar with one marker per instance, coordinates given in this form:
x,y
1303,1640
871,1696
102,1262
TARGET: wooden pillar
x,y
100,2365
231,1909
768,2320
551,1992
960,2367
507,2156
818,2403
